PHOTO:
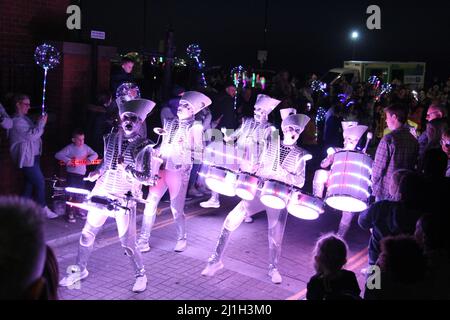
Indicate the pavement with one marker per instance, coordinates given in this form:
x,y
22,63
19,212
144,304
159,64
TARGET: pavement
x,y
176,276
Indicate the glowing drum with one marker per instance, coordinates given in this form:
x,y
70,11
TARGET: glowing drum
x,y
76,194
349,181
305,206
221,180
247,186
275,194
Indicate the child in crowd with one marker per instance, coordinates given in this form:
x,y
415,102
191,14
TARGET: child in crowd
x,y
331,282
76,156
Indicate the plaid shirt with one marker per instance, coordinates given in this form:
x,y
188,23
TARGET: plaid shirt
x,y
397,150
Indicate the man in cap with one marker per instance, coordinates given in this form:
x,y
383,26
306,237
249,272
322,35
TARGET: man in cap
x,y
125,167
352,133
282,161
182,141
249,139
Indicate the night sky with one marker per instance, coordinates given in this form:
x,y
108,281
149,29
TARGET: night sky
x,y
303,36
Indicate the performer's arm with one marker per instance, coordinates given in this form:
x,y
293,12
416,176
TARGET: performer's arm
x,y
300,169
141,169
101,168
236,134
197,142
328,161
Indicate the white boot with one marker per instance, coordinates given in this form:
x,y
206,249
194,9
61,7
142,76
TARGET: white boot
x,y
181,245
140,284
212,268
276,276
143,245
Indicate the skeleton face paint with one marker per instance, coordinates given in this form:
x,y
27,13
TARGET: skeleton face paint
x,y
291,135
185,111
130,123
260,115
350,143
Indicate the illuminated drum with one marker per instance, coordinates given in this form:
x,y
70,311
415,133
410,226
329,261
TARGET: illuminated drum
x,y
275,194
76,194
221,174
304,206
349,181
247,186
221,180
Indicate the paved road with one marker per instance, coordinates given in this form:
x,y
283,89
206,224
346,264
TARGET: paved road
x,y
176,276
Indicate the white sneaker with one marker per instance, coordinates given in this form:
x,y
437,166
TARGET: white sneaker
x,y
212,268
211,203
140,284
49,213
180,246
143,245
73,278
276,277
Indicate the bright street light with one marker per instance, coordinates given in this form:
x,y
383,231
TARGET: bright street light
x,y
354,36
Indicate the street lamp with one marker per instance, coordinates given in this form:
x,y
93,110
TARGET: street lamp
x,y
354,37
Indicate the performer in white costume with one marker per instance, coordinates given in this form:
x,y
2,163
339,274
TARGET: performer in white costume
x,y
352,134
125,167
284,162
182,143
250,141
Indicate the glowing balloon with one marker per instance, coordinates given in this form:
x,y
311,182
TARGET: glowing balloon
x,y
46,56
193,51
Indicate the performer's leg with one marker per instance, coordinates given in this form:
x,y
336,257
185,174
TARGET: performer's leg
x,y
126,227
95,220
319,181
345,223
177,182
276,222
148,220
233,220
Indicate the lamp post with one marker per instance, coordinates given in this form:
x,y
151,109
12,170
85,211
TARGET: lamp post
x,y
354,37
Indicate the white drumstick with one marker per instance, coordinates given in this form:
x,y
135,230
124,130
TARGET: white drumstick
x,y
369,137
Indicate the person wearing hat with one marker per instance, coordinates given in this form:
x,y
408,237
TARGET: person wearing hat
x,y
352,133
182,140
282,161
249,139
125,167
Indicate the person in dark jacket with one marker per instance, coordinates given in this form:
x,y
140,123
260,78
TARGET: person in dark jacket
x,y
222,110
332,137
99,121
122,74
391,218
